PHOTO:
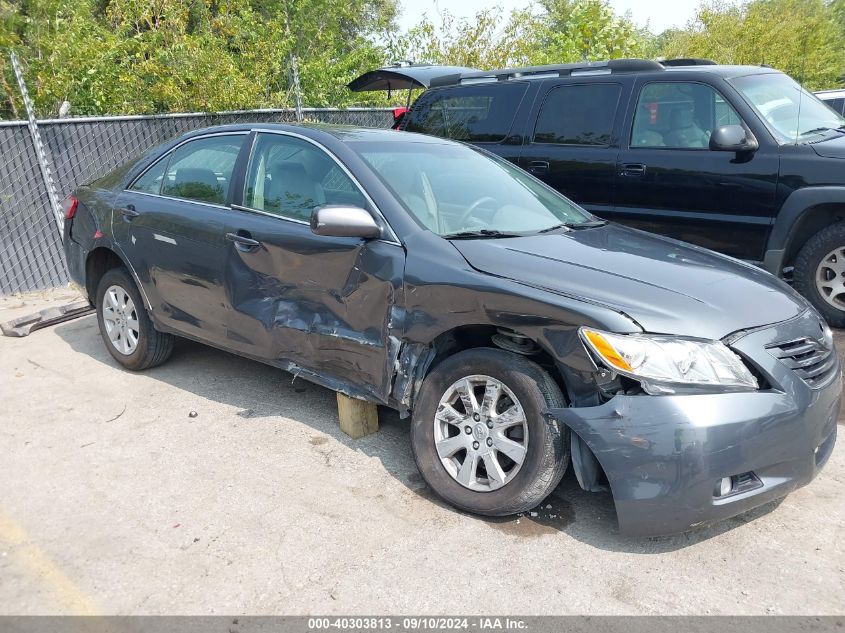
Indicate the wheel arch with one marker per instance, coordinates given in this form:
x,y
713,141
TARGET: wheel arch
x,y
98,262
805,213
478,335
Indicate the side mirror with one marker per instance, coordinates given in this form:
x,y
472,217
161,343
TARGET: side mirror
x,y
733,138
344,221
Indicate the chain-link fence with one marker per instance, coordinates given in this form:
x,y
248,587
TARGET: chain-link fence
x,y
80,150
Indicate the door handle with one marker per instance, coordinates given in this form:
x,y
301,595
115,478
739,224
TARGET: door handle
x,y
632,169
243,241
538,167
128,212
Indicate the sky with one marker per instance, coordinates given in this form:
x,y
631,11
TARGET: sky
x,y
659,14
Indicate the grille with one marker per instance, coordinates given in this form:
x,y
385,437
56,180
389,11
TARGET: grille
x,y
812,360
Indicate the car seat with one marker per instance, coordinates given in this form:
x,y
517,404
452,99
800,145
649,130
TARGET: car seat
x,y
197,183
406,182
683,130
291,192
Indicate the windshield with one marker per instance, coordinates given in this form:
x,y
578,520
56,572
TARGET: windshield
x,y
793,114
453,188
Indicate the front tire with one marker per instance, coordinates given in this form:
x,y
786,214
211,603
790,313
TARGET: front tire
x,y
820,273
127,330
482,435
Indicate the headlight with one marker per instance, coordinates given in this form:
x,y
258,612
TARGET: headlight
x,y
664,363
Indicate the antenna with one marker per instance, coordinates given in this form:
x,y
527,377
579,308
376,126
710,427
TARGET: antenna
x,y
801,90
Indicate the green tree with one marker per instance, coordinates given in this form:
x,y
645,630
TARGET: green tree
x,y
800,37
141,56
561,31
581,30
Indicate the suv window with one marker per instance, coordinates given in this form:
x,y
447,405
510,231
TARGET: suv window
x,y
679,115
201,170
578,115
288,177
482,113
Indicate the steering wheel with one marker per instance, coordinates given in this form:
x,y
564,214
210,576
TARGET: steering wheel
x,y
473,207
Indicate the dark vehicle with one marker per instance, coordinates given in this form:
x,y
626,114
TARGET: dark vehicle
x,y
737,159
518,330
833,98
402,76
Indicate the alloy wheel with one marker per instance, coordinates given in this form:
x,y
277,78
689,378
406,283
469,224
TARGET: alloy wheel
x,y
830,278
121,320
480,433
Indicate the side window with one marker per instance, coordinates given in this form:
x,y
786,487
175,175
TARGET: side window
x,y
201,170
578,115
838,105
288,177
481,113
151,181
679,115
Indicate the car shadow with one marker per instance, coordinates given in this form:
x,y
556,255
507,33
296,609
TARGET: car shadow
x,y
257,391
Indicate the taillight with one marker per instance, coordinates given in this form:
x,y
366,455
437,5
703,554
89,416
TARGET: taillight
x,y
69,205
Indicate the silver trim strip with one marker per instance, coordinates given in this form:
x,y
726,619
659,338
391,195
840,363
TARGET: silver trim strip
x,y
158,195
164,238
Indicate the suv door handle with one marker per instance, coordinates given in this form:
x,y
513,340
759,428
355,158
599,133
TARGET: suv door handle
x,y
539,167
128,212
632,169
243,241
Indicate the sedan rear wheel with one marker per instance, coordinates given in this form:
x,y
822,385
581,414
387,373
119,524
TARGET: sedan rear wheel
x,y
121,320
126,328
482,433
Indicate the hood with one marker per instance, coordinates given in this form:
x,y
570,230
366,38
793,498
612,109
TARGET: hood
x,y
664,285
831,148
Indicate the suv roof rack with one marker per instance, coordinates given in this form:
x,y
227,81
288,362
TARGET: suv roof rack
x,y
553,70
688,61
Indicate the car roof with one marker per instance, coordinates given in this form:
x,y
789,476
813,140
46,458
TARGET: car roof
x,y
601,69
323,132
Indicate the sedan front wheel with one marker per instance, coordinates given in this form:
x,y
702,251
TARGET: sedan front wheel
x,y
482,435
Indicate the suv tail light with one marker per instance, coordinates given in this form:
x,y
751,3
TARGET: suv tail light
x,y
69,206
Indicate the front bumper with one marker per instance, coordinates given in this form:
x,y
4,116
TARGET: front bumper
x,y
664,455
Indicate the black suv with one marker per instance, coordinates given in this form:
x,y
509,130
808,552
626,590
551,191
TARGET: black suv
x,y
739,159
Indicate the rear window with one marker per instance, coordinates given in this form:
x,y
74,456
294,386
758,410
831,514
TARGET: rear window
x,y
578,115
482,113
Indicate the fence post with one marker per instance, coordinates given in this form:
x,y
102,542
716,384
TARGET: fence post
x,y
43,163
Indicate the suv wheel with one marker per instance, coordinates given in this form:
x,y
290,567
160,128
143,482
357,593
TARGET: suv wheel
x,y
126,328
482,435
820,273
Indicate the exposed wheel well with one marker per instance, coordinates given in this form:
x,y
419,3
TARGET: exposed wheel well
x,y
811,222
471,336
99,261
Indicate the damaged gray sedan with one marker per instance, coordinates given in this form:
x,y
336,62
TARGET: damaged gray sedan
x,y
519,333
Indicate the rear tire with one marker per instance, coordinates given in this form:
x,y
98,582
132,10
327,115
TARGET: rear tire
x,y
127,330
820,273
516,452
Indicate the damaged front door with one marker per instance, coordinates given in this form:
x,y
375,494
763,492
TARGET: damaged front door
x,y
312,304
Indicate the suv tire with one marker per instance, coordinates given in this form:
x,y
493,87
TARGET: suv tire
x,y
822,260
519,451
126,328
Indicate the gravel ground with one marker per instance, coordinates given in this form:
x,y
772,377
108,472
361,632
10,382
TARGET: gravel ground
x,y
114,500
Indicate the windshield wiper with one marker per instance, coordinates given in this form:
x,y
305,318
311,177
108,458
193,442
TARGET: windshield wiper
x,y
591,224
467,235
820,130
